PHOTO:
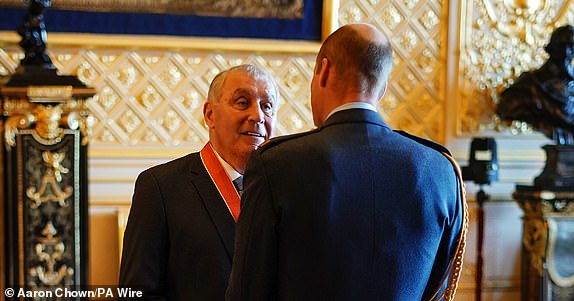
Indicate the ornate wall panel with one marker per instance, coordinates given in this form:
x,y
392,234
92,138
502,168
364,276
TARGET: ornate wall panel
x,y
154,97
150,98
498,41
415,100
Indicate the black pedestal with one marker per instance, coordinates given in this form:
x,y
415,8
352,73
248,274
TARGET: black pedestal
x,y
559,169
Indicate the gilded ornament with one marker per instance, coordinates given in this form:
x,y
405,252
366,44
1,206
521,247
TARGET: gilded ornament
x,y
391,17
48,252
534,241
54,163
150,98
192,100
15,123
126,75
107,98
429,20
426,61
293,81
408,40
171,122
150,138
130,122
49,190
86,73
151,60
49,93
410,4
48,121
351,15
295,121
108,59
171,76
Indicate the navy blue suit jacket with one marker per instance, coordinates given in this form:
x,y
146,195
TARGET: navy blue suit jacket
x,y
178,243
350,211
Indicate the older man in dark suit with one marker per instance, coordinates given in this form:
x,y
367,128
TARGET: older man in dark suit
x,y
352,210
178,243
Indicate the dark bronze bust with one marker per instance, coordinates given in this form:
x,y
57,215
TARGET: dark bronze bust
x,y
33,33
544,98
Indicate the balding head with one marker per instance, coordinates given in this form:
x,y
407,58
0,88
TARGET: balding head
x,y
361,52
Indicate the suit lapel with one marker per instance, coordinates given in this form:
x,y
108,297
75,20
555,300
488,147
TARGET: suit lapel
x,y
214,205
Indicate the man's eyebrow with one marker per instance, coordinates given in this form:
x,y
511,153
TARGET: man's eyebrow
x,y
242,91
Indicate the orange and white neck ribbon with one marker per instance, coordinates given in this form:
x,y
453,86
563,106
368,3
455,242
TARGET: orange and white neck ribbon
x,y
221,180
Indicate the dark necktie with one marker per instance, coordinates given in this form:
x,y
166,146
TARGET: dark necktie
x,y
238,183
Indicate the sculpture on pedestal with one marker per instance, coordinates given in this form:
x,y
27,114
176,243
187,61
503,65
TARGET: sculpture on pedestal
x,y
544,98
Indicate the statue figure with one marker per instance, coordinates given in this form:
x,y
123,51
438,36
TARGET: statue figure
x,y
544,98
33,32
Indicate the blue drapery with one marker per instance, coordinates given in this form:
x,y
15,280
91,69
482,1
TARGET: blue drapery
x,y
307,28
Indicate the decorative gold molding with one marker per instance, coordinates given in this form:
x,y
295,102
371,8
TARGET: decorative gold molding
x,y
49,93
49,121
330,17
15,123
175,43
534,240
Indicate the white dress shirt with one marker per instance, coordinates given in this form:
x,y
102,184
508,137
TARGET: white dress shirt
x,y
353,105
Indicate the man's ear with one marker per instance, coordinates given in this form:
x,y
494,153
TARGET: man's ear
x,y
324,72
208,114
383,91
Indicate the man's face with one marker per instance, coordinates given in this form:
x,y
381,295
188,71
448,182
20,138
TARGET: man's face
x,y
243,117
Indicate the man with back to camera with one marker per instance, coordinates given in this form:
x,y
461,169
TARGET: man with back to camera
x,y
352,210
178,243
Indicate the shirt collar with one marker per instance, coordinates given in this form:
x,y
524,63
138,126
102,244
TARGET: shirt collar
x,y
229,170
352,105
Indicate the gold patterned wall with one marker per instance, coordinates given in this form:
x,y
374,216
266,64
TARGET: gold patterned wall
x,y
152,96
148,97
498,41
415,100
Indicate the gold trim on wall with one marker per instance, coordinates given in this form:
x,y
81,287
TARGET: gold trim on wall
x,y
175,43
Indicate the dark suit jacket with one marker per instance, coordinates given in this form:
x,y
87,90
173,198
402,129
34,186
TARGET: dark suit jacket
x,y
350,211
178,243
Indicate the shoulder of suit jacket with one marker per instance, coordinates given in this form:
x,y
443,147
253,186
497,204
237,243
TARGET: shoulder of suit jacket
x,y
425,142
278,140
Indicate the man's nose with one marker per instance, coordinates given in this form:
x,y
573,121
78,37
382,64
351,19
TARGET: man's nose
x,y
256,114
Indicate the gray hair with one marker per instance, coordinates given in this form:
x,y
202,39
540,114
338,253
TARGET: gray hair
x,y
215,89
